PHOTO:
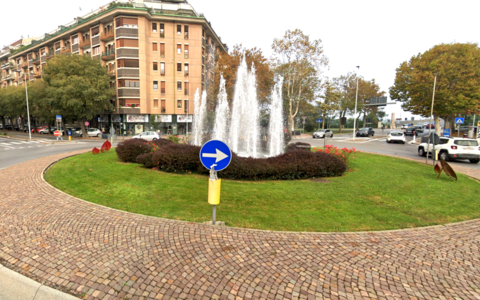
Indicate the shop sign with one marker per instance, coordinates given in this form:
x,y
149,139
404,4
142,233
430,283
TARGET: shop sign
x,y
184,118
137,118
163,118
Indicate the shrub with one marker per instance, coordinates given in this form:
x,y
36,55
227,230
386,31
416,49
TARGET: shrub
x,y
177,158
129,150
296,164
342,154
174,139
162,142
298,145
146,160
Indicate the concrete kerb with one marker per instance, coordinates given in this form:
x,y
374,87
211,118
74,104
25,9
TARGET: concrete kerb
x,y
15,286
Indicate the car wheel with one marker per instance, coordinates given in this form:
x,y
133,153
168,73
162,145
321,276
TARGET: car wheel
x,y
443,155
421,152
331,135
41,132
403,142
474,161
98,134
154,139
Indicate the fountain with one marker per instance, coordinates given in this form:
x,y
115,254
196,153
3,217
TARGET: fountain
x,y
240,130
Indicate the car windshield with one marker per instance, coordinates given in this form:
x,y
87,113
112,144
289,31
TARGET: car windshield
x,y
321,130
363,129
396,134
466,142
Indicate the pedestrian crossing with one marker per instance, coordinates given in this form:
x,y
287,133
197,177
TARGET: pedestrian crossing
x,y
7,144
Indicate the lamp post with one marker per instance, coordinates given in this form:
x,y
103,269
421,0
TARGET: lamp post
x,y
28,110
354,115
430,123
188,104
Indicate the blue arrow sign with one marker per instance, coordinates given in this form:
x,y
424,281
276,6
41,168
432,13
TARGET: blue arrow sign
x,y
215,153
446,132
319,120
458,120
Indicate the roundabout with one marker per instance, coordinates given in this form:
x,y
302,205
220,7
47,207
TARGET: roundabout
x,y
95,252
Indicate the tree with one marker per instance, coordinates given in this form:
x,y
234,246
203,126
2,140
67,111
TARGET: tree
x,y
228,67
78,86
330,100
457,87
300,61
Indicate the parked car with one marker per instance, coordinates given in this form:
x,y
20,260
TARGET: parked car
x,y
91,132
430,125
45,130
147,135
396,136
365,131
321,133
10,127
409,131
453,148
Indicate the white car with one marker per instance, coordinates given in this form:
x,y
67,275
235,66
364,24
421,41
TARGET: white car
x,y
396,136
90,132
321,133
147,135
453,148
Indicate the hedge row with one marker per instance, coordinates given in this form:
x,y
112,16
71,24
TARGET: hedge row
x,y
294,164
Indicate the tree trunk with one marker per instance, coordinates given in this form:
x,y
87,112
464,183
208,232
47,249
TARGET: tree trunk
x,y
84,130
3,124
438,128
323,121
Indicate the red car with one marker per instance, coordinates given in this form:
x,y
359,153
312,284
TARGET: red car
x,y
40,128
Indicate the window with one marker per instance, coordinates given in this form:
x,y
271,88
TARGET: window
x,y
162,50
162,68
186,88
163,90
155,66
163,106
179,48
179,103
179,29
186,69
128,63
155,103
75,40
186,107
185,29
179,85
186,50
154,27
179,67
162,30
154,47
155,85
96,50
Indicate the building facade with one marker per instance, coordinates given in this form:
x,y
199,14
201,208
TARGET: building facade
x,y
156,53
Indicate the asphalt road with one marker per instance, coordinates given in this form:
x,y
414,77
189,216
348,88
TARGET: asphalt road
x,y
378,144
16,151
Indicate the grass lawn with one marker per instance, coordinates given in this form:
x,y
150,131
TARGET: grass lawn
x,y
379,193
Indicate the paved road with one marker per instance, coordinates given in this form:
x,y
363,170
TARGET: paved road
x,y
377,144
95,252
13,151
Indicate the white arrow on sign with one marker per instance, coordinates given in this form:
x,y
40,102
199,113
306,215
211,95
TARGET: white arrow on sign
x,y
219,155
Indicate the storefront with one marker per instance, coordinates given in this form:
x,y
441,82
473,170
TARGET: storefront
x,y
184,123
135,124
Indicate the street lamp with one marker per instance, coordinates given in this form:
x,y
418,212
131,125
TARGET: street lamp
x,y
430,123
28,110
188,104
356,98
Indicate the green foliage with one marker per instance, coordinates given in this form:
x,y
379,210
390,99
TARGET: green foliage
x,y
458,81
78,85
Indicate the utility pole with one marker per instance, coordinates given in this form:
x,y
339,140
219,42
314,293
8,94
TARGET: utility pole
x,y
356,99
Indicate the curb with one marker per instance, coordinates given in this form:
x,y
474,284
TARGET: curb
x,y
15,286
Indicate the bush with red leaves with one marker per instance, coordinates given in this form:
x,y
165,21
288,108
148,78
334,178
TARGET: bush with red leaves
x,y
129,150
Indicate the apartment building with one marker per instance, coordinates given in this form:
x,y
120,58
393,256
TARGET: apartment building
x,y
157,53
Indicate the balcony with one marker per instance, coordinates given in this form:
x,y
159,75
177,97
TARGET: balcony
x,y
107,36
37,75
127,32
127,53
50,55
25,64
66,50
108,55
58,51
128,73
128,92
129,110
85,43
95,40
74,48
5,66
30,64
36,61
112,73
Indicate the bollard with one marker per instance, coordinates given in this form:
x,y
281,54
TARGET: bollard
x,y
214,186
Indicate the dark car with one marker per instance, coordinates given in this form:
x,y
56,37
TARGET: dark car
x,y
409,131
365,131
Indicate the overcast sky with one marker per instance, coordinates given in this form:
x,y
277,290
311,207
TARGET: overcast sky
x,y
375,35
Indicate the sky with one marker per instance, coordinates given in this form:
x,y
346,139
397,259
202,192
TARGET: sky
x,y
375,35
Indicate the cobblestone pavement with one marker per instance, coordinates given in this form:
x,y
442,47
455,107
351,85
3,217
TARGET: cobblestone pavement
x,y
100,253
